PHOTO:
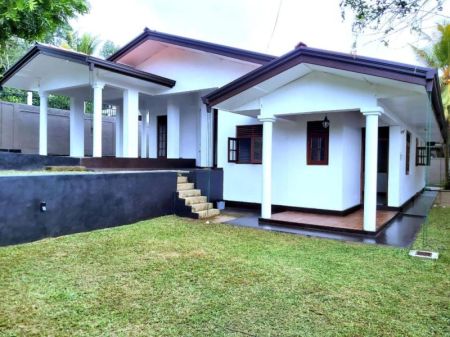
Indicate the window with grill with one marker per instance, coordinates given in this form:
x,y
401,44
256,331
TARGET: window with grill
x,y
422,155
408,152
317,142
246,147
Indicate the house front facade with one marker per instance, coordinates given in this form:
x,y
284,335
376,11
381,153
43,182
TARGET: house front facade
x,y
311,130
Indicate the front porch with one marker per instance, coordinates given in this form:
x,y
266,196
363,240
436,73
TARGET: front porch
x,y
353,222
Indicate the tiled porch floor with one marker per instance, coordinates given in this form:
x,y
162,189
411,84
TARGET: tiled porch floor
x,y
352,221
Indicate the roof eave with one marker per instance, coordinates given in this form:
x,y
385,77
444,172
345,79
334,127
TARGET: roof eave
x,y
236,53
87,60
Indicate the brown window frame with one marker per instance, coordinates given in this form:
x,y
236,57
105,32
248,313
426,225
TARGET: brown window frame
x,y
408,153
245,133
315,129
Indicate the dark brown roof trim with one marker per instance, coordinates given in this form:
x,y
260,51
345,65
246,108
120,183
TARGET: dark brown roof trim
x,y
84,59
232,52
364,65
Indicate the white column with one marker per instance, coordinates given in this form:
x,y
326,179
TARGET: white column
x,y
152,133
97,119
204,136
144,133
266,200
76,127
119,131
371,167
395,152
130,123
30,98
43,118
173,129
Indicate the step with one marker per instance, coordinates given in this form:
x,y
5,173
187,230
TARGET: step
x,y
195,200
185,186
189,193
204,206
182,179
208,213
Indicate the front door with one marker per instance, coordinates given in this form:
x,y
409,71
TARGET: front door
x,y
161,137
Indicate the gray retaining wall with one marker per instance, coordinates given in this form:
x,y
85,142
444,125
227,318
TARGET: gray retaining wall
x,y
80,202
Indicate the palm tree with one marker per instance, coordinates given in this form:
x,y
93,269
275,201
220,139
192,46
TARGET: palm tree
x,y
438,56
86,44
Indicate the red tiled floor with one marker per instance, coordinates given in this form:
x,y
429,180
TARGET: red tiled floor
x,y
352,221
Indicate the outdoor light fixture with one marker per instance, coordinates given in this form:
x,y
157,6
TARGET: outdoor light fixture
x,y
326,122
43,206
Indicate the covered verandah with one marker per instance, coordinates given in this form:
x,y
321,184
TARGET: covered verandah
x,y
138,98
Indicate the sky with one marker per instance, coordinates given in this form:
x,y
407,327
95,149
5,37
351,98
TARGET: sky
x,y
268,26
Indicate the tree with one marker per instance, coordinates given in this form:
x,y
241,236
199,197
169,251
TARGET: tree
x,y
438,56
108,49
32,20
386,17
85,43
13,50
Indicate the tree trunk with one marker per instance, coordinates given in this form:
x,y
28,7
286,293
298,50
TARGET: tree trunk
x,y
446,153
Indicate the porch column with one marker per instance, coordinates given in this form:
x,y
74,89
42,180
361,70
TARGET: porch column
x,y
130,123
43,117
76,127
266,200
144,133
173,129
371,165
97,120
119,131
29,97
204,136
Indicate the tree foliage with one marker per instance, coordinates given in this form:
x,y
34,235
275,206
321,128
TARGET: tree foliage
x,y
86,43
32,20
386,17
438,56
108,49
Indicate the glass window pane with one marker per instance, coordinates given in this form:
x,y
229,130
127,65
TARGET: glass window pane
x,y
244,150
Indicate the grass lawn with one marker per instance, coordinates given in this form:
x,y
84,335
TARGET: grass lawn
x,y
175,277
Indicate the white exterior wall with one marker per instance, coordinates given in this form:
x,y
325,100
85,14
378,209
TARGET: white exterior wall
x,y
194,70
335,186
188,111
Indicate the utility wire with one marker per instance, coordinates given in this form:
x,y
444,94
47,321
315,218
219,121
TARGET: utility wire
x,y
275,24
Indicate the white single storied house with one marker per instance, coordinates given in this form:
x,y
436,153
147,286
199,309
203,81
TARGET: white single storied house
x,y
311,130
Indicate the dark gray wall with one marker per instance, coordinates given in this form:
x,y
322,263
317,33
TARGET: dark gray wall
x,y
80,202
19,130
209,181
19,161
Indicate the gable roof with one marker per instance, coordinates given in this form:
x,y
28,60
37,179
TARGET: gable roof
x,y
90,61
236,53
424,76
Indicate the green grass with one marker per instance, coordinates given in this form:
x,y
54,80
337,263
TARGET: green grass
x,y
175,277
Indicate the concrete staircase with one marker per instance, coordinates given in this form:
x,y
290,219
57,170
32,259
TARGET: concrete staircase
x,y
191,202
